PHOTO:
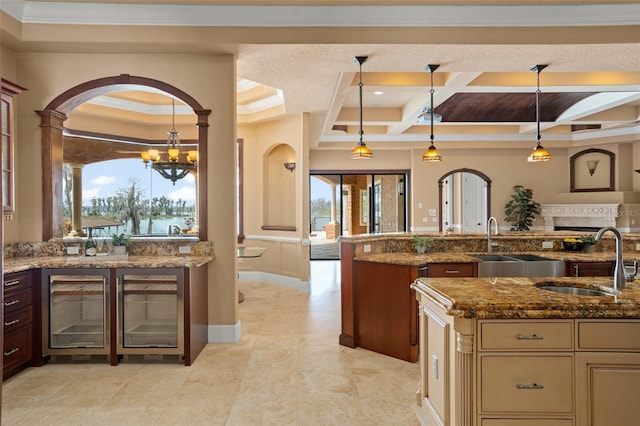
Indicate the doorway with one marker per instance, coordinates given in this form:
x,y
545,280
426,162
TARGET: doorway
x,y
353,204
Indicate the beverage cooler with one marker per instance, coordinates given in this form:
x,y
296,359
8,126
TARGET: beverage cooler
x,y
150,314
75,313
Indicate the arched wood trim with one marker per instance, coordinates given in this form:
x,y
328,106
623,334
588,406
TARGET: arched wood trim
x,y
52,120
463,170
612,170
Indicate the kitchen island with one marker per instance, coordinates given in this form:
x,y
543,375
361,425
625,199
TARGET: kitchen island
x,y
502,351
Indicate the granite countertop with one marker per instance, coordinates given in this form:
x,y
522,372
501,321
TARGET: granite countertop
x,y
18,264
513,298
415,259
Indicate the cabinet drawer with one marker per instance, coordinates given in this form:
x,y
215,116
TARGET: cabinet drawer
x,y
451,270
526,384
17,348
17,300
17,281
526,335
609,335
526,422
17,319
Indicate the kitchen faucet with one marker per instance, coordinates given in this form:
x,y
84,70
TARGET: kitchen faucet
x,y
618,274
495,222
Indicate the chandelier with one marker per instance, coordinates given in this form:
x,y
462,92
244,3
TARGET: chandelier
x,y
172,168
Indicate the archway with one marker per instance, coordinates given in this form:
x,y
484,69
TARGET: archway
x,y
442,195
52,124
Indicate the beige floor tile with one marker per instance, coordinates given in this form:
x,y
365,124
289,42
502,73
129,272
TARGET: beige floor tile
x,y
288,369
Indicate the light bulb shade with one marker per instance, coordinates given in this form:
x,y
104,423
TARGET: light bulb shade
x,y
592,165
361,152
173,154
539,154
145,156
154,154
431,155
192,156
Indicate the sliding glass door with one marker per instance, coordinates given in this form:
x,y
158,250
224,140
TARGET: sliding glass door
x,y
354,204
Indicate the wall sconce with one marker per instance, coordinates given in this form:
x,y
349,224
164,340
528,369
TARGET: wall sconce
x,y
592,165
290,166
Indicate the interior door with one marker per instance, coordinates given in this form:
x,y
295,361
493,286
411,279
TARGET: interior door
x,y
474,194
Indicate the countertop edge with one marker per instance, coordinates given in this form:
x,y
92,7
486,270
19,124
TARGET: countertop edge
x,y
20,264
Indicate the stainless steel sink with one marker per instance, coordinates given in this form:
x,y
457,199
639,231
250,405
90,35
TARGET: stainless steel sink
x,y
576,291
518,265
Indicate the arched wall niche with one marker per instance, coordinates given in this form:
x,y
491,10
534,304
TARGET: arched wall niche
x,y
52,119
441,195
279,189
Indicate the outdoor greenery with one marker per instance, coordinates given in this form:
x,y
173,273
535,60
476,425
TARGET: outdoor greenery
x,y
521,210
129,205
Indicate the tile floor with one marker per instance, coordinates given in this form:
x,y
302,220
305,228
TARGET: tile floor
x,y
288,369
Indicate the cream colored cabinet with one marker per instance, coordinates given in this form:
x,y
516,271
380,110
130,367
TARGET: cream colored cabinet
x,y
526,372
608,373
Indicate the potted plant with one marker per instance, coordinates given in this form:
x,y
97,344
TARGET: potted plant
x,y
120,243
422,243
589,242
521,210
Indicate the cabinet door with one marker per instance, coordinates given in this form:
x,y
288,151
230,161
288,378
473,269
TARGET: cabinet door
x,y
385,309
590,269
607,389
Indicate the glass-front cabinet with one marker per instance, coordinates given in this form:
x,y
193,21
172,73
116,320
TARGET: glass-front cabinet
x,y
76,312
150,312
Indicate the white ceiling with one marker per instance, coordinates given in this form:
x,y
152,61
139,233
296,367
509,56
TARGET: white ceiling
x,y
305,55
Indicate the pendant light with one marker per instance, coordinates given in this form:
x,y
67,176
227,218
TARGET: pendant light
x,y
431,154
539,153
361,152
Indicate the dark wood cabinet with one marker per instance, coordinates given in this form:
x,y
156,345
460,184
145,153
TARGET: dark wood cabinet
x,y
444,270
20,315
386,309
590,269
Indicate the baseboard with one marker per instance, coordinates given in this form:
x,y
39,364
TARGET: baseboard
x,y
264,277
224,333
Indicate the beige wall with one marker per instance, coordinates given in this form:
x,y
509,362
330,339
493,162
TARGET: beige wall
x,y
288,251
48,75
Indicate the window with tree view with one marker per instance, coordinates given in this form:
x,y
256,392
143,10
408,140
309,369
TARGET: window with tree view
x,y
125,196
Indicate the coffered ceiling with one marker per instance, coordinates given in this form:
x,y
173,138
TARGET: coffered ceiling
x,y
293,59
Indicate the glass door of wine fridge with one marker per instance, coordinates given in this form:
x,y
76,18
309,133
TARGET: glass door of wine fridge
x,y
76,312
150,312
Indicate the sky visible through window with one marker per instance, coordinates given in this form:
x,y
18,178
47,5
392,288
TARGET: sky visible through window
x,y
105,179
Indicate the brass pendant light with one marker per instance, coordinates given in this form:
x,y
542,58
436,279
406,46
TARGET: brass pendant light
x,y
431,154
361,152
539,153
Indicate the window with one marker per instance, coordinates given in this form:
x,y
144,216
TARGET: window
x,y
9,90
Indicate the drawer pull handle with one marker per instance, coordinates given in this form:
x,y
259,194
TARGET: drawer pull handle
x,y
13,302
451,271
531,386
11,352
7,324
11,283
529,337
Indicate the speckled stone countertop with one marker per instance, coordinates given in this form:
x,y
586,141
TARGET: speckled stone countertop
x,y
415,259
18,264
513,298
